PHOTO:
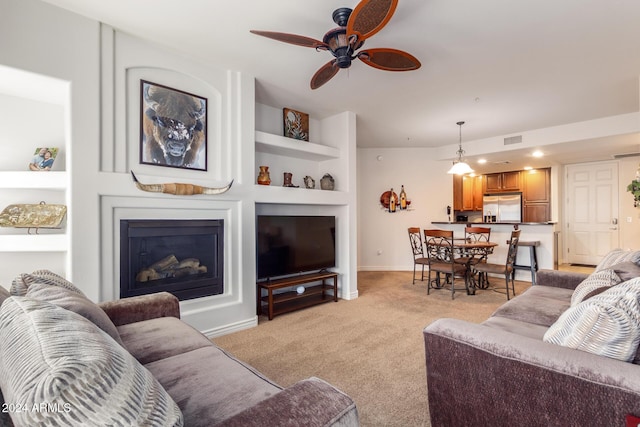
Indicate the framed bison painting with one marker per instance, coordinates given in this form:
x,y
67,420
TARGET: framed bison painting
x,y
173,127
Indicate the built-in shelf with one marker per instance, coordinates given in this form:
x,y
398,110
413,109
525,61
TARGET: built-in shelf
x,y
283,146
289,195
34,242
54,180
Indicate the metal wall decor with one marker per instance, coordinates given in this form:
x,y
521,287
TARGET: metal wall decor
x,y
395,202
34,216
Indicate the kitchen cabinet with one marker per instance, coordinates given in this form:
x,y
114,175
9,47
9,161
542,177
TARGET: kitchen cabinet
x,y
503,181
467,193
536,195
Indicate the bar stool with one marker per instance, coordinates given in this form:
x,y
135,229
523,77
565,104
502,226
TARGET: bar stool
x,y
533,260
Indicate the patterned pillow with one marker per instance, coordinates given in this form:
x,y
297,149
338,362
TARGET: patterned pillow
x,y
617,256
607,324
4,294
597,282
70,300
627,270
52,356
21,283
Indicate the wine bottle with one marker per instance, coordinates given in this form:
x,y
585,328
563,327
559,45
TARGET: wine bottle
x,y
403,198
392,202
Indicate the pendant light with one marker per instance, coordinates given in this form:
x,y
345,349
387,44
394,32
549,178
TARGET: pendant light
x,y
460,167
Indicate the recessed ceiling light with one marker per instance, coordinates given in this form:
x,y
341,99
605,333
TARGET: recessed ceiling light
x,y
537,153
482,161
528,168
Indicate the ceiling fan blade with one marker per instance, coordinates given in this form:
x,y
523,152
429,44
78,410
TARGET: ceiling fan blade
x,y
293,39
389,59
324,74
369,17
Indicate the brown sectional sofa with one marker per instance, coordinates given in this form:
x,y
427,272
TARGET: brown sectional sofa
x,y
67,361
210,386
502,373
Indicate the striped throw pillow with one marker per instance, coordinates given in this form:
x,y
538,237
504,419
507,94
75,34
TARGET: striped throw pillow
x,y
617,256
20,284
607,324
66,371
597,282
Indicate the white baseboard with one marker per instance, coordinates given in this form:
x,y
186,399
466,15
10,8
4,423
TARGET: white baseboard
x,y
233,327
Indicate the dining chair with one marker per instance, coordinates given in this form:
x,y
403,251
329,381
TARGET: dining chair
x,y
417,248
476,234
441,256
505,269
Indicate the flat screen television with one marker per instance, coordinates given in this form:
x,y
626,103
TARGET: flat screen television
x,y
289,245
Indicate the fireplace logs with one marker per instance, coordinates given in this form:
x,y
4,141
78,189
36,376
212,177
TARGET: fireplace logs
x,y
171,267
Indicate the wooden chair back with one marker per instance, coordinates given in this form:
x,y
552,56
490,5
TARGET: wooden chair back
x,y
477,234
513,249
415,238
439,245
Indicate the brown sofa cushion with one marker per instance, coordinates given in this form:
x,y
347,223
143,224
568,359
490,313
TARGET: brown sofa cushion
x,y
210,386
160,338
541,305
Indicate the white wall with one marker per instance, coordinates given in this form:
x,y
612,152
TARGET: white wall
x,y
103,68
382,236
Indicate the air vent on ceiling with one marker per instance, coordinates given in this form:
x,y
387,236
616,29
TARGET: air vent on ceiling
x,y
622,156
513,140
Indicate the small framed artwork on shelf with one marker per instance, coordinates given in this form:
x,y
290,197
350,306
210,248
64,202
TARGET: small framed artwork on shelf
x,y
43,159
296,124
173,127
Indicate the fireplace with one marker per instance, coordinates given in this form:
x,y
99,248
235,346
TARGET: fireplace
x,y
183,257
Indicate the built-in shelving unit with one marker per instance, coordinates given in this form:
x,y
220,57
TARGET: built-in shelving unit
x,y
283,146
53,180
331,150
21,248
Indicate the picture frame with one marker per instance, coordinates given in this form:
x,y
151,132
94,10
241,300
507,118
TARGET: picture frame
x,y
43,158
296,124
173,127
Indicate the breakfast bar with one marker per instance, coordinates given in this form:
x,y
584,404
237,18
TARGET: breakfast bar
x,y
545,233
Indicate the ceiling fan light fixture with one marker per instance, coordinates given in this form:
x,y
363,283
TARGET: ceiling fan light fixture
x,y
460,167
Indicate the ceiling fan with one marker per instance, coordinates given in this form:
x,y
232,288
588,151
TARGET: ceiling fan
x,y
354,27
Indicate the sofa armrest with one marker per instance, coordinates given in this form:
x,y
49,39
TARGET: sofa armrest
x,y
311,402
477,375
560,279
143,307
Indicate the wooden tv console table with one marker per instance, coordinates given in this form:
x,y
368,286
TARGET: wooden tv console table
x,y
291,300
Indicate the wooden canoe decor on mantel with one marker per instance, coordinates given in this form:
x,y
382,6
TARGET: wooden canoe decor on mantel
x,y
180,189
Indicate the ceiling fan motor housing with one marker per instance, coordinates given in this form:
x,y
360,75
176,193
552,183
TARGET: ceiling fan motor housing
x,y
341,16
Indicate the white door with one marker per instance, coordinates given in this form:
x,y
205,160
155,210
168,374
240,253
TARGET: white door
x,y
591,211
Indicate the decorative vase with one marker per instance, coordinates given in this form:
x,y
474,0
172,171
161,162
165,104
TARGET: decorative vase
x,y
263,176
309,182
327,182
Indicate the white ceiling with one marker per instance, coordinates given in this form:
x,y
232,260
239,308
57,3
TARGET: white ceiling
x,y
503,66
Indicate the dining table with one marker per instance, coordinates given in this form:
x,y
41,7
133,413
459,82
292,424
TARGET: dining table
x,y
472,252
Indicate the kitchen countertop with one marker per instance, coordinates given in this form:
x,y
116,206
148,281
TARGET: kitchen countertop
x,y
492,223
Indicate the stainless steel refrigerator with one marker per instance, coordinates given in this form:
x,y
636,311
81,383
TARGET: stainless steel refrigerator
x,y
505,207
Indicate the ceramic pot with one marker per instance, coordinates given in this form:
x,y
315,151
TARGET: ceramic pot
x,y
263,176
327,182
309,182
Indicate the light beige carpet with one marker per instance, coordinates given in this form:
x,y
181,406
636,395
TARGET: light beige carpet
x,y
371,347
